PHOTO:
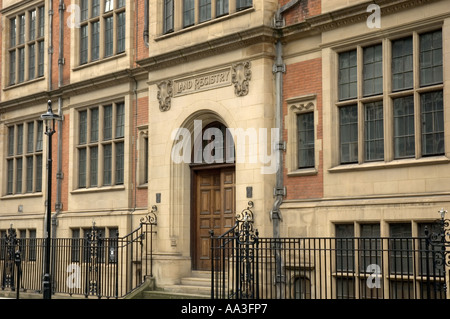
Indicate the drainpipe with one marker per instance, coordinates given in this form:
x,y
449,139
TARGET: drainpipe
x,y
146,23
59,173
50,45
280,190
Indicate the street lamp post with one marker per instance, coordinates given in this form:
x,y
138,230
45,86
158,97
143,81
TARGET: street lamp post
x,y
49,119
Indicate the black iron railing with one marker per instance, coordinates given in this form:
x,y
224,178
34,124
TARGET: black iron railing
x,y
326,268
90,266
245,265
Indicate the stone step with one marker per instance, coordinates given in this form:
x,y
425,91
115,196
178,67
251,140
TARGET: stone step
x,y
156,294
188,289
196,281
201,274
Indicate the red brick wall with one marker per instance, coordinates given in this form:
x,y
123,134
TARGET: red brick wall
x,y
301,11
301,79
65,162
139,45
66,45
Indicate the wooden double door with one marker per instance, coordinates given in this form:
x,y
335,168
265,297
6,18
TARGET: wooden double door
x,y
213,209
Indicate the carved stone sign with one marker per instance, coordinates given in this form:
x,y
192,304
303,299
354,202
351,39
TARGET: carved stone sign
x,y
202,82
238,75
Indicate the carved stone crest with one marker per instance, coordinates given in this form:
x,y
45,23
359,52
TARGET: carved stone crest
x,y
165,95
241,75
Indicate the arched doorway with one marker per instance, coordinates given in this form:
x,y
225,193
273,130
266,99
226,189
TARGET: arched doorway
x,y
213,190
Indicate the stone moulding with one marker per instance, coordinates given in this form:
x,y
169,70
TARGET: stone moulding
x,y
241,75
165,94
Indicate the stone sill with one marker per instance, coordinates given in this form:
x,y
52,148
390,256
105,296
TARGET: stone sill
x,y
410,162
303,172
98,189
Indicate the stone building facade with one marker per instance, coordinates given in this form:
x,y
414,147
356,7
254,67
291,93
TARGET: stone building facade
x,y
331,116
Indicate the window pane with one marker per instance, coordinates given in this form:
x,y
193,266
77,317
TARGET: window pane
x,y
93,166
188,12
38,184
83,44
12,67
345,247
21,65
41,58
94,125
404,141
347,75
432,123
41,21
82,167
30,137
146,160
10,140
370,246
431,58
168,16
84,9
10,181
39,136
348,117
32,27
221,7
82,128
19,149
95,8
21,29
374,131
305,126
242,4
95,41
107,122
402,64
108,5
109,31
373,76
12,32
400,260
205,10
29,174
120,119
121,32
107,164
31,61
19,175
119,163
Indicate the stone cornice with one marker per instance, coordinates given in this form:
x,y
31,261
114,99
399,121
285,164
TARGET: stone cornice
x,y
347,16
209,48
81,87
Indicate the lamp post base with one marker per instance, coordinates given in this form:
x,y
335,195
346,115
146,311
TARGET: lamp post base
x,y
47,291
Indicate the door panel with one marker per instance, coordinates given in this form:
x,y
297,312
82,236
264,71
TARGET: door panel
x,y
214,209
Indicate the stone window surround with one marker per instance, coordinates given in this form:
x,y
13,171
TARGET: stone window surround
x,y
99,143
178,16
387,97
24,155
6,34
76,37
295,106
